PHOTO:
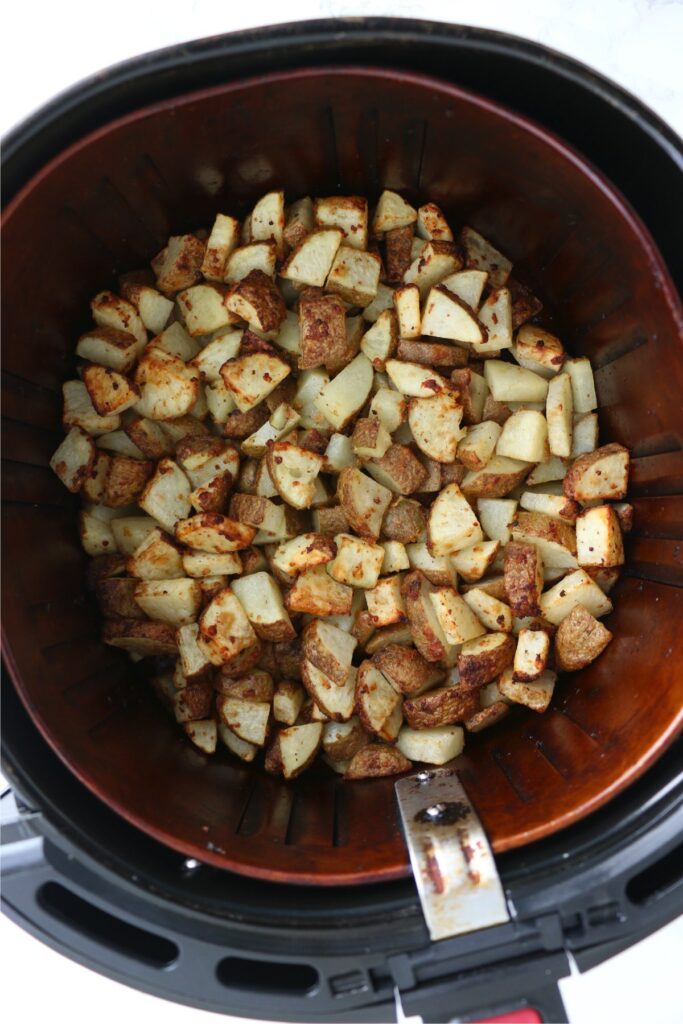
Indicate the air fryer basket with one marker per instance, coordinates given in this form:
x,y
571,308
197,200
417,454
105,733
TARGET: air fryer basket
x,y
106,205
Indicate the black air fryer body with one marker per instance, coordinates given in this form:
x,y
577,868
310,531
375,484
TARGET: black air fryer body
x,y
95,888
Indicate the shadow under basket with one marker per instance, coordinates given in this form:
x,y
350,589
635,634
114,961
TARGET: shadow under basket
x,y
107,205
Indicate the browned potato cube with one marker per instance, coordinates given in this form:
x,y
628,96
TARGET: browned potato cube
x,y
599,476
523,578
375,761
483,659
322,328
406,669
178,265
431,353
443,706
399,470
126,481
256,299
579,640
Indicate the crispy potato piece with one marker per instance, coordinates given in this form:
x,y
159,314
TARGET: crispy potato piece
x,y
354,275
494,614
251,378
287,701
443,706
488,716
457,620
385,603
599,542
294,749
295,556
370,440
223,239
110,392
554,539
262,601
130,531
407,308
535,695
245,259
474,562
523,578
109,310
193,660
398,246
392,212
335,701
240,664
496,516
435,423
293,471
379,341
524,436
374,640
477,447
104,567
341,740
395,557
267,220
498,477
79,411
169,388
452,523
74,460
437,260
376,761
126,481
109,346
142,638
311,261
322,329
158,557
583,384
577,588
531,656
348,213
316,593
495,317
245,751
406,669
579,640
116,599
179,263
357,562
399,470
431,746
329,649
203,734
431,353
438,569
472,393
599,475
224,629
344,396
404,521
378,704
248,719
432,224
175,601
363,502
427,633
483,659
482,255
214,533
447,316
415,381
554,505
538,350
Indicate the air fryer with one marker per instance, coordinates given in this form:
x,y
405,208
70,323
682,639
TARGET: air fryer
x,y
205,879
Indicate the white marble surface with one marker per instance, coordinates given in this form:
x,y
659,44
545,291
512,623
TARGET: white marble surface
x,y
46,47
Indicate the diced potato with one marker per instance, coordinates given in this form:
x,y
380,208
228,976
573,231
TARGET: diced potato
x,y
495,516
377,703
431,746
555,505
531,656
579,640
357,562
293,471
287,337
167,495
492,613
495,315
74,459
583,384
203,733
375,761
399,470
96,534
110,310
599,542
130,532
262,601
447,316
329,649
110,392
385,603
192,659
118,442
510,383
145,639
488,716
203,308
109,346
294,749
316,593
178,265
414,380
523,578
482,255
428,636
435,423
473,391
431,223
248,719
498,477
125,481
584,434
546,472
287,701
407,307
335,701
554,539
354,275
348,213
483,659
452,523
404,521
599,475
214,533
267,220
474,562
477,447
223,239
398,253
168,387
341,740
304,552
251,378
245,751
256,299
437,260
175,601
456,618
224,629
298,221
438,569
254,256
577,588
370,440
524,437
535,695
383,300
392,212
311,261
363,501
225,345
440,354
538,350
156,558
559,412
395,557
344,396
379,341
322,329
80,412
467,285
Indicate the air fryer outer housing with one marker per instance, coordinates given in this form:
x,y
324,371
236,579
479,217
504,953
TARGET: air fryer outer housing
x,y
207,938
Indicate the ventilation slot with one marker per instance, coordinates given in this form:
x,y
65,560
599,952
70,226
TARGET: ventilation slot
x,y
657,879
104,928
268,976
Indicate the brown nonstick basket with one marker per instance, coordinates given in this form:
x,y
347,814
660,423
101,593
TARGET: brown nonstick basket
x,y
106,205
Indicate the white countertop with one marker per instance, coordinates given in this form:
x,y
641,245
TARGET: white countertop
x,y
44,49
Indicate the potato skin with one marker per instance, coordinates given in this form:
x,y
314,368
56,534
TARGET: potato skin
x,y
404,521
574,476
579,640
478,669
375,761
415,591
404,468
322,328
405,668
443,706
398,244
523,578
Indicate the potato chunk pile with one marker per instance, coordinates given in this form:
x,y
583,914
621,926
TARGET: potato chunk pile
x,y
338,488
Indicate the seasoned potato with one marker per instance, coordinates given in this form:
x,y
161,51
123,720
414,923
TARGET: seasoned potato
x,y
601,475
483,659
523,578
579,640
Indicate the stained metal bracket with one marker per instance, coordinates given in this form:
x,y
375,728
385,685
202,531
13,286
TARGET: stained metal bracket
x,y
452,862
